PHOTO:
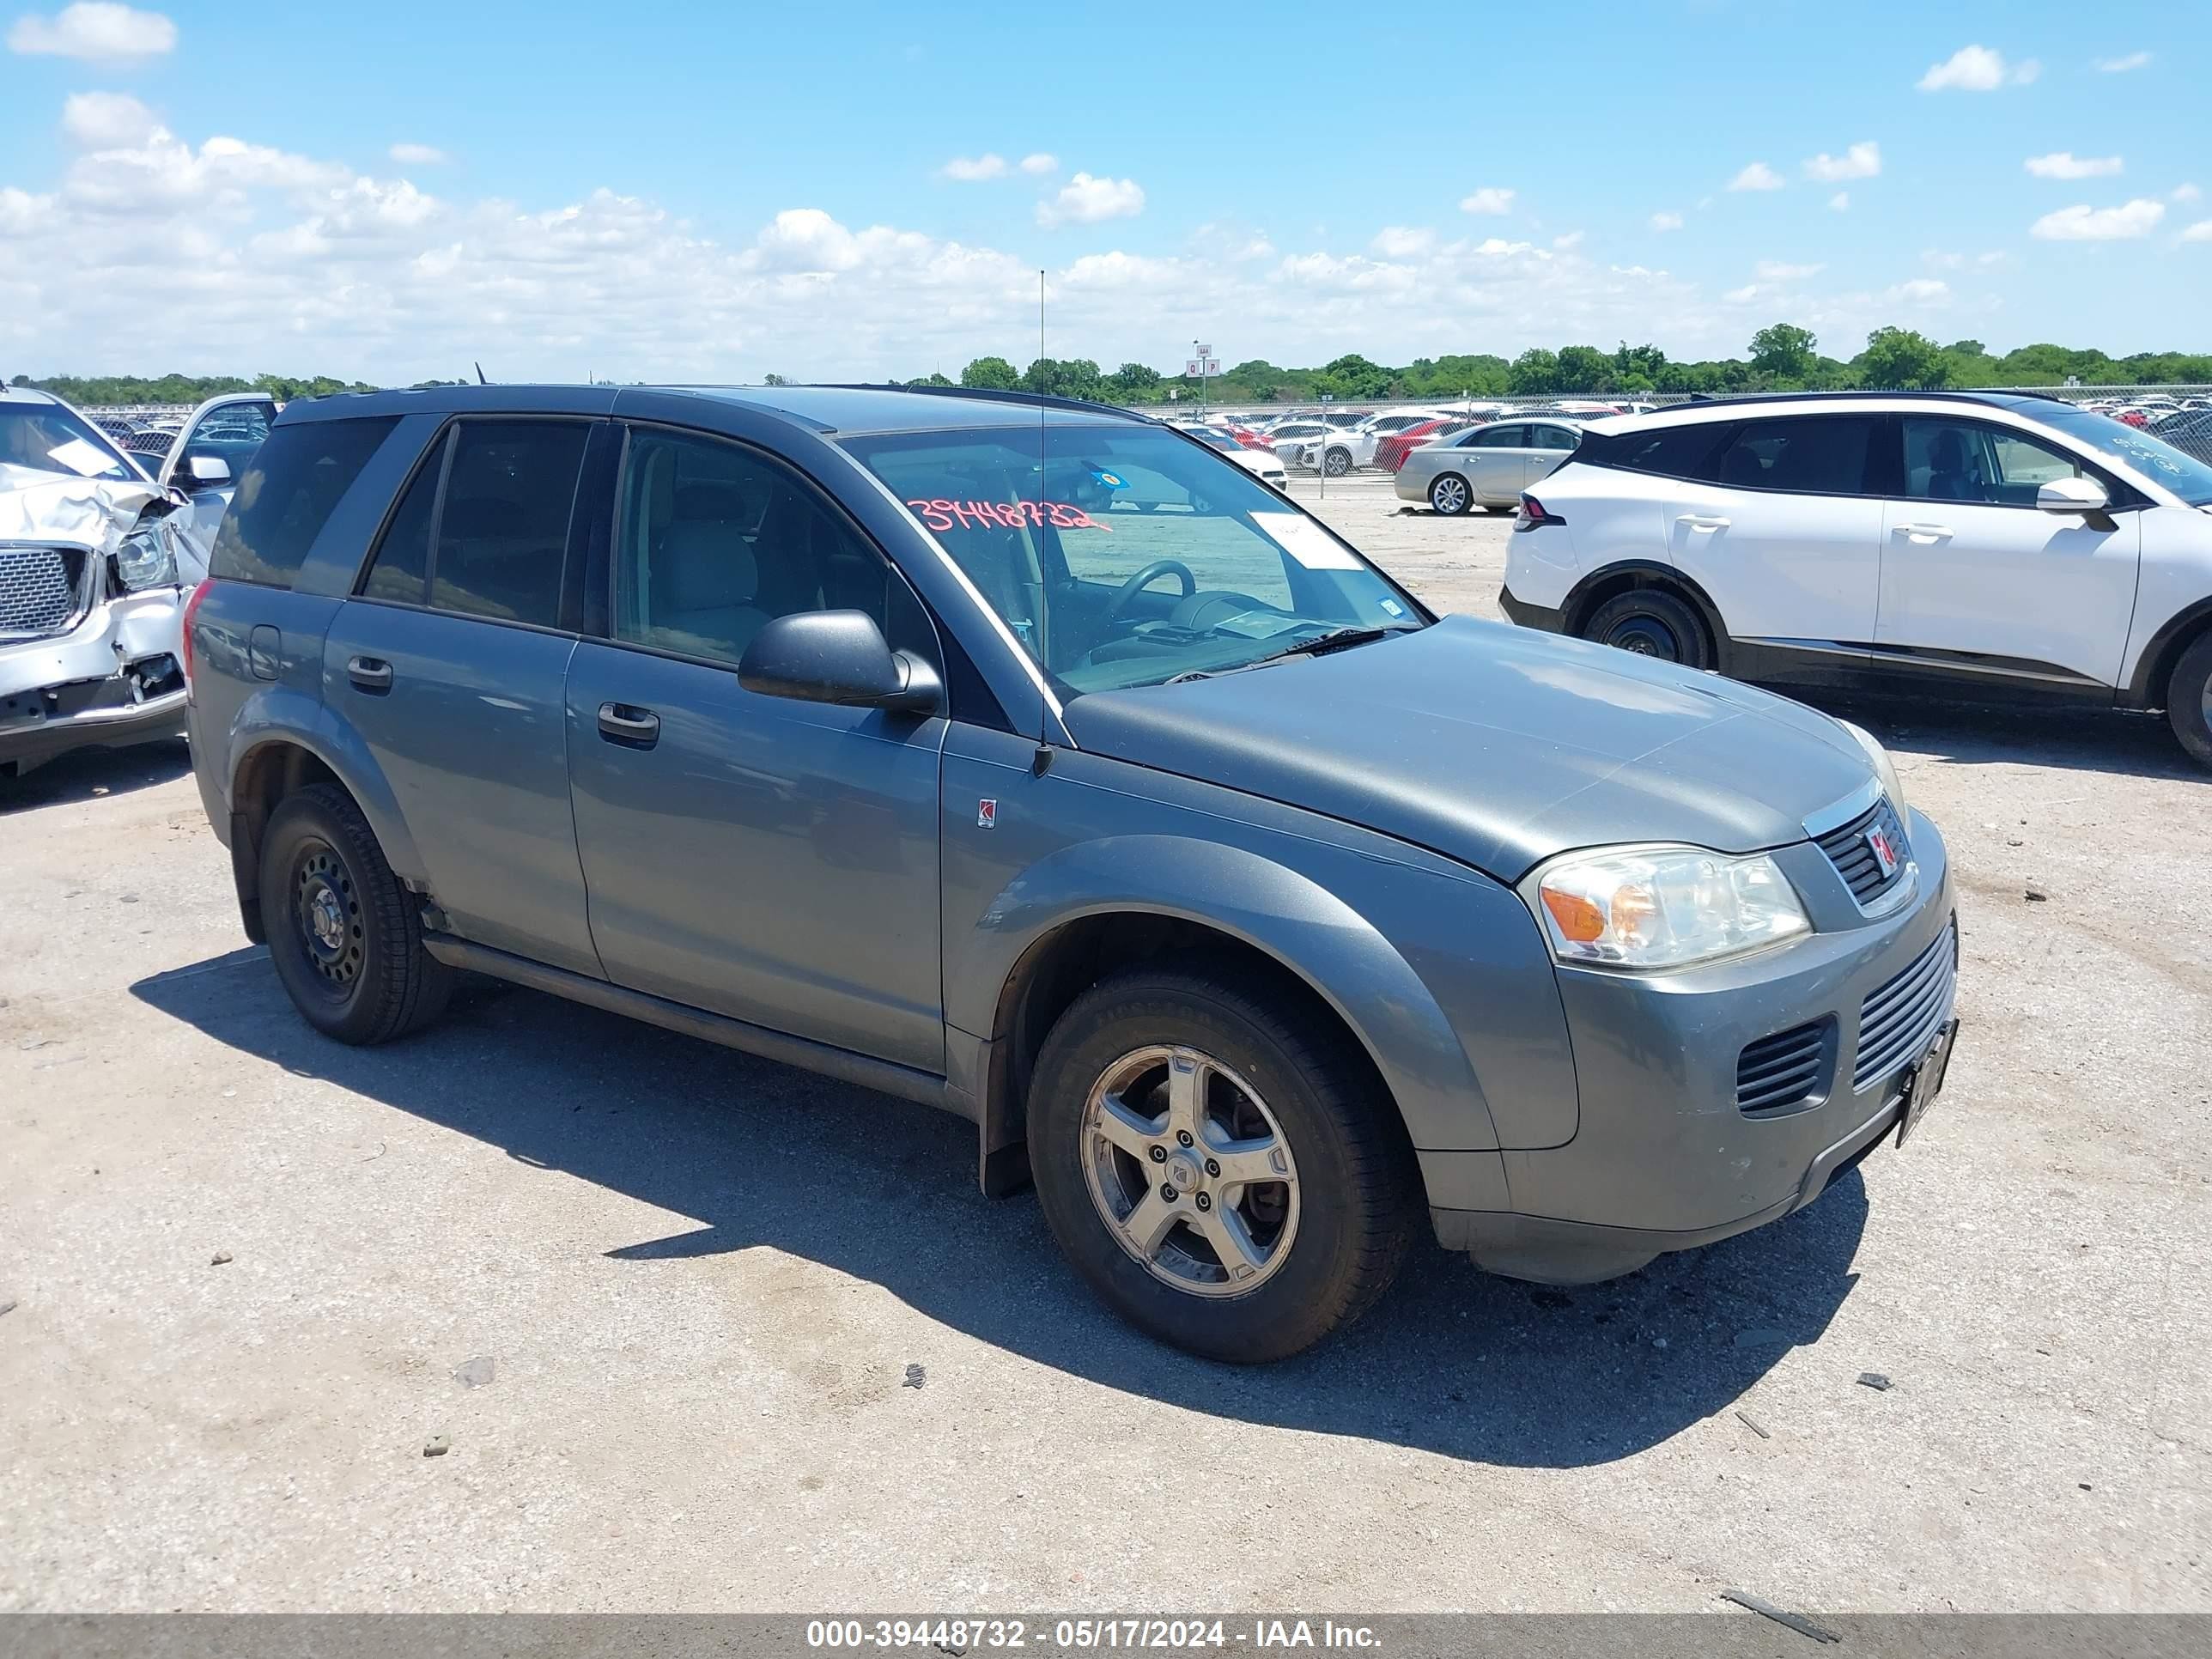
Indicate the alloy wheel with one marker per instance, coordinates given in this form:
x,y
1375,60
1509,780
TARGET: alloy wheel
x,y
1449,496
1190,1170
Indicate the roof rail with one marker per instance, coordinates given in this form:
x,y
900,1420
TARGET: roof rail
x,y
984,394
1957,394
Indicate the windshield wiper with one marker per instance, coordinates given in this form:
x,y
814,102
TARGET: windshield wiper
x,y
1336,639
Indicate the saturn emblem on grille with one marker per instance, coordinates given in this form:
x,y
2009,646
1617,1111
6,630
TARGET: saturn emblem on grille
x,y
1877,840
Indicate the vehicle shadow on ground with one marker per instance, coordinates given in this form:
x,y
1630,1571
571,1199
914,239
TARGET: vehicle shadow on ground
x,y
1454,1361
88,774
2072,740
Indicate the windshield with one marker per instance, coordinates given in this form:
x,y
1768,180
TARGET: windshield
x,y
57,440
2155,458
1131,556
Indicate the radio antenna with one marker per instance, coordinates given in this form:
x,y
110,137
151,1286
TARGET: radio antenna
x,y
1043,757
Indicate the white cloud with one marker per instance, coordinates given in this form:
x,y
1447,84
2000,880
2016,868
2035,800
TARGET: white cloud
x,y
1757,176
971,169
418,156
1489,198
2186,193
1568,242
1084,200
1860,161
1840,201
1039,162
1920,291
1773,270
1666,222
1744,296
107,120
96,32
2087,224
2064,164
1977,69
1402,242
2136,218
2133,60
2199,232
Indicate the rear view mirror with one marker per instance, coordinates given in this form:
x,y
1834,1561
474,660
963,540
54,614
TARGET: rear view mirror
x,y
2072,496
837,657
208,469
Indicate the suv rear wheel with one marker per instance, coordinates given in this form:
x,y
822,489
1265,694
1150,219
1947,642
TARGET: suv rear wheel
x,y
2189,699
345,937
1223,1179
1650,622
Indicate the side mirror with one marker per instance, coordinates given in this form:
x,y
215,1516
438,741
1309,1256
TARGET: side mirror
x,y
837,657
2072,496
208,469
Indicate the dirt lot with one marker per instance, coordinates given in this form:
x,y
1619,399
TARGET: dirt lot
x,y
698,1283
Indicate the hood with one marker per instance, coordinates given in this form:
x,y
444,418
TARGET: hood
x,y
1496,745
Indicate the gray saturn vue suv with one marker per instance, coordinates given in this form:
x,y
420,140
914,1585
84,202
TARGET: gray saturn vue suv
x,y
1241,902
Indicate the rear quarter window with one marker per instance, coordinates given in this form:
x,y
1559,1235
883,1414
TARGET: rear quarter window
x,y
288,494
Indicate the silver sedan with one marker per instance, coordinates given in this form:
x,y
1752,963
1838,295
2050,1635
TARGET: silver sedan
x,y
1488,467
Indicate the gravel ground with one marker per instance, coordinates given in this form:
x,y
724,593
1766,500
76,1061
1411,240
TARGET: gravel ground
x,y
666,1303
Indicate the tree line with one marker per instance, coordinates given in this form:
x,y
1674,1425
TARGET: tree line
x,y
1782,357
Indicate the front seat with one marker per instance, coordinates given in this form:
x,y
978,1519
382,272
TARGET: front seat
x,y
1950,476
704,587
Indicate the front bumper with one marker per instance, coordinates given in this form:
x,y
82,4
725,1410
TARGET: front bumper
x,y
1526,615
1662,1158
113,678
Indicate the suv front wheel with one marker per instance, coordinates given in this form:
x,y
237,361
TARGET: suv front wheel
x,y
1224,1178
345,936
2189,699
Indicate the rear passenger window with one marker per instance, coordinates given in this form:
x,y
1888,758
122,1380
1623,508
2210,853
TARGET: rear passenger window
x,y
402,570
1819,455
288,494
1672,451
503,525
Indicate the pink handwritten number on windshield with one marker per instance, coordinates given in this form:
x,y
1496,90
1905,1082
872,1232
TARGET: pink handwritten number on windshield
x,y
942,514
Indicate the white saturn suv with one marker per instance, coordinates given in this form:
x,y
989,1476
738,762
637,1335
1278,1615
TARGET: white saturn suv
x,y
1980,544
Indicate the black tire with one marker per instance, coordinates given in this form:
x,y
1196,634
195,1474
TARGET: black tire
x,y
365,978
1652,622
1357,1184
1449,494
2189,701
1336,462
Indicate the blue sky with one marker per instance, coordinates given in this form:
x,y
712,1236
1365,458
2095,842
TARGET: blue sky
x,y
662,191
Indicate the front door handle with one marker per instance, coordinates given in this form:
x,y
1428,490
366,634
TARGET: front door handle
x,y
1925,533
371,674
631,726
1701,521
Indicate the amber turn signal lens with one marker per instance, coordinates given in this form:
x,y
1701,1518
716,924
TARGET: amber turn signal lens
x,y
1574,916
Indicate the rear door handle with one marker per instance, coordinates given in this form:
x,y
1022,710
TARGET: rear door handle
x,y
369,673
633,727
1701,521
1925,533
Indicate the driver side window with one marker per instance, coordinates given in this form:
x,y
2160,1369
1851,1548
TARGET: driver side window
x,y
714,540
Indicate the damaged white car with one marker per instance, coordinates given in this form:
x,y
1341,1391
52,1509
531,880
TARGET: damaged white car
x,y
97,557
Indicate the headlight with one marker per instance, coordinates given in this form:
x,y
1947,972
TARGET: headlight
x,y
1883,768
147,557
1664,906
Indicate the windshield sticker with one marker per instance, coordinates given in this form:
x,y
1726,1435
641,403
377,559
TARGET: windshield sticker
x,y
83,457
1111,480
942,514
1392,606
1306,541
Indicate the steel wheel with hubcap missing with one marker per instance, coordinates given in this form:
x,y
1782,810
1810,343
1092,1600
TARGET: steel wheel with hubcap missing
x,y
1450,496
1190,1171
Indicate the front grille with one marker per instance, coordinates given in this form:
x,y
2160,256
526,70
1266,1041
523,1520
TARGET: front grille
x,y
36,593
1898,1018
1849,850
1785,1069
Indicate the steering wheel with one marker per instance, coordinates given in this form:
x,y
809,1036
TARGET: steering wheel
x,y
1144,578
